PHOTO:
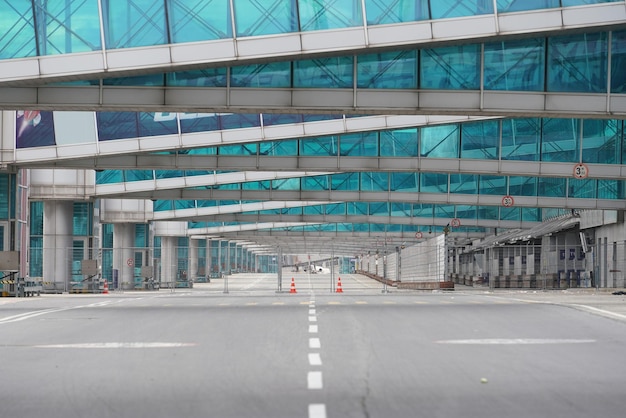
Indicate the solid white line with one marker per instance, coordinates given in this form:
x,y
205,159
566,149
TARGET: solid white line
x,y
312,319
118,345
315,359
516,341
314,380
313,329
314,343
317,410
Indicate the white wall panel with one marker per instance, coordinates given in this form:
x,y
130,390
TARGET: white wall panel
x,y
287,44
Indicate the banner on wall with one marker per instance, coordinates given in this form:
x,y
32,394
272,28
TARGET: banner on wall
x,y
34,128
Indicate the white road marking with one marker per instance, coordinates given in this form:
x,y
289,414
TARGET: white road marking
x,y
315,359
313,329
314,380
118,345
312,319
317,410
314,343
312,311
517,341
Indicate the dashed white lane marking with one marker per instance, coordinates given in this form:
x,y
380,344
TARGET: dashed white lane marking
x,y
315,359
312,319
513,341
313,329
314,343
317,410
312,311
314,380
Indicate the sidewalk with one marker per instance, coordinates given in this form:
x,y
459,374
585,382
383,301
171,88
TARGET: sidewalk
x,y
598,301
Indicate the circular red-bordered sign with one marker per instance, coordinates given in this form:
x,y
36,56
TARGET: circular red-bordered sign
x,y
419,235
455,223
508,201
581,171
130,262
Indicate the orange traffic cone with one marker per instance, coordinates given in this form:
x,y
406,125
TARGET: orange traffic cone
x,y
293,286
106,288
339,288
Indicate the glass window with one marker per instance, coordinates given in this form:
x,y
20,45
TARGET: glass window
x,y
440,141
492,185
17,37
505,6
270,119
254,18
329,14
134,23
279,148
568,3
552,187
36,218
315,183
602,140
333,72
193,20
433,183
382,12
521,139
443,9
239,120
523,186
82,219
359,144
389,70
578,63
618,62
450,68
345,181
374,181
464,183
515,65
423,210
480,140
150,125
611,189
398,143
379,209
142,80
560,140
286,184
404,182
66,26
117,125
210,77
274,75
322,146
582,189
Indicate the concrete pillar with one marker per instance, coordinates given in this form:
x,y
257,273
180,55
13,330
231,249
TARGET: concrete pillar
x,y
124,254
57,243
168,260
192,274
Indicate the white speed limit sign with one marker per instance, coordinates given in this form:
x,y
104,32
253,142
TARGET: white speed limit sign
x,y
581,171
508,201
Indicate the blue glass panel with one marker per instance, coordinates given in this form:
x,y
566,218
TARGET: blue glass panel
x,y
34,128
17,37
66,26
443,9
480,140
440,141
139,175
279,148
560,140
134,23
505,6
521,139
389,70
239,120
82,218
256,185
398,143
492,185
404,182
359,145
568,3
210,77
374,181
618,62
445,211
531,214
401,209
315,183
515,65
433,183
253,17
552,187
193,20
334,72
578,63
510,214
274,75
117,125
314,210
270,119
523,186
319,146
464,183
36,218
336,209
329,14
286,184
200,122
345,181
381,12
315,117
487,212
142,80
239,149
611,189
379,209
150,125
450,68
109,176
357,208
466,212
423,211
582,189
602,140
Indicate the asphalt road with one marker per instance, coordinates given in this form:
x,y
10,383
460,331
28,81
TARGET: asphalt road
x,y
255,352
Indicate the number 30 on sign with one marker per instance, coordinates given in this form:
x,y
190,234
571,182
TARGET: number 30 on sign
x,y
581,171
